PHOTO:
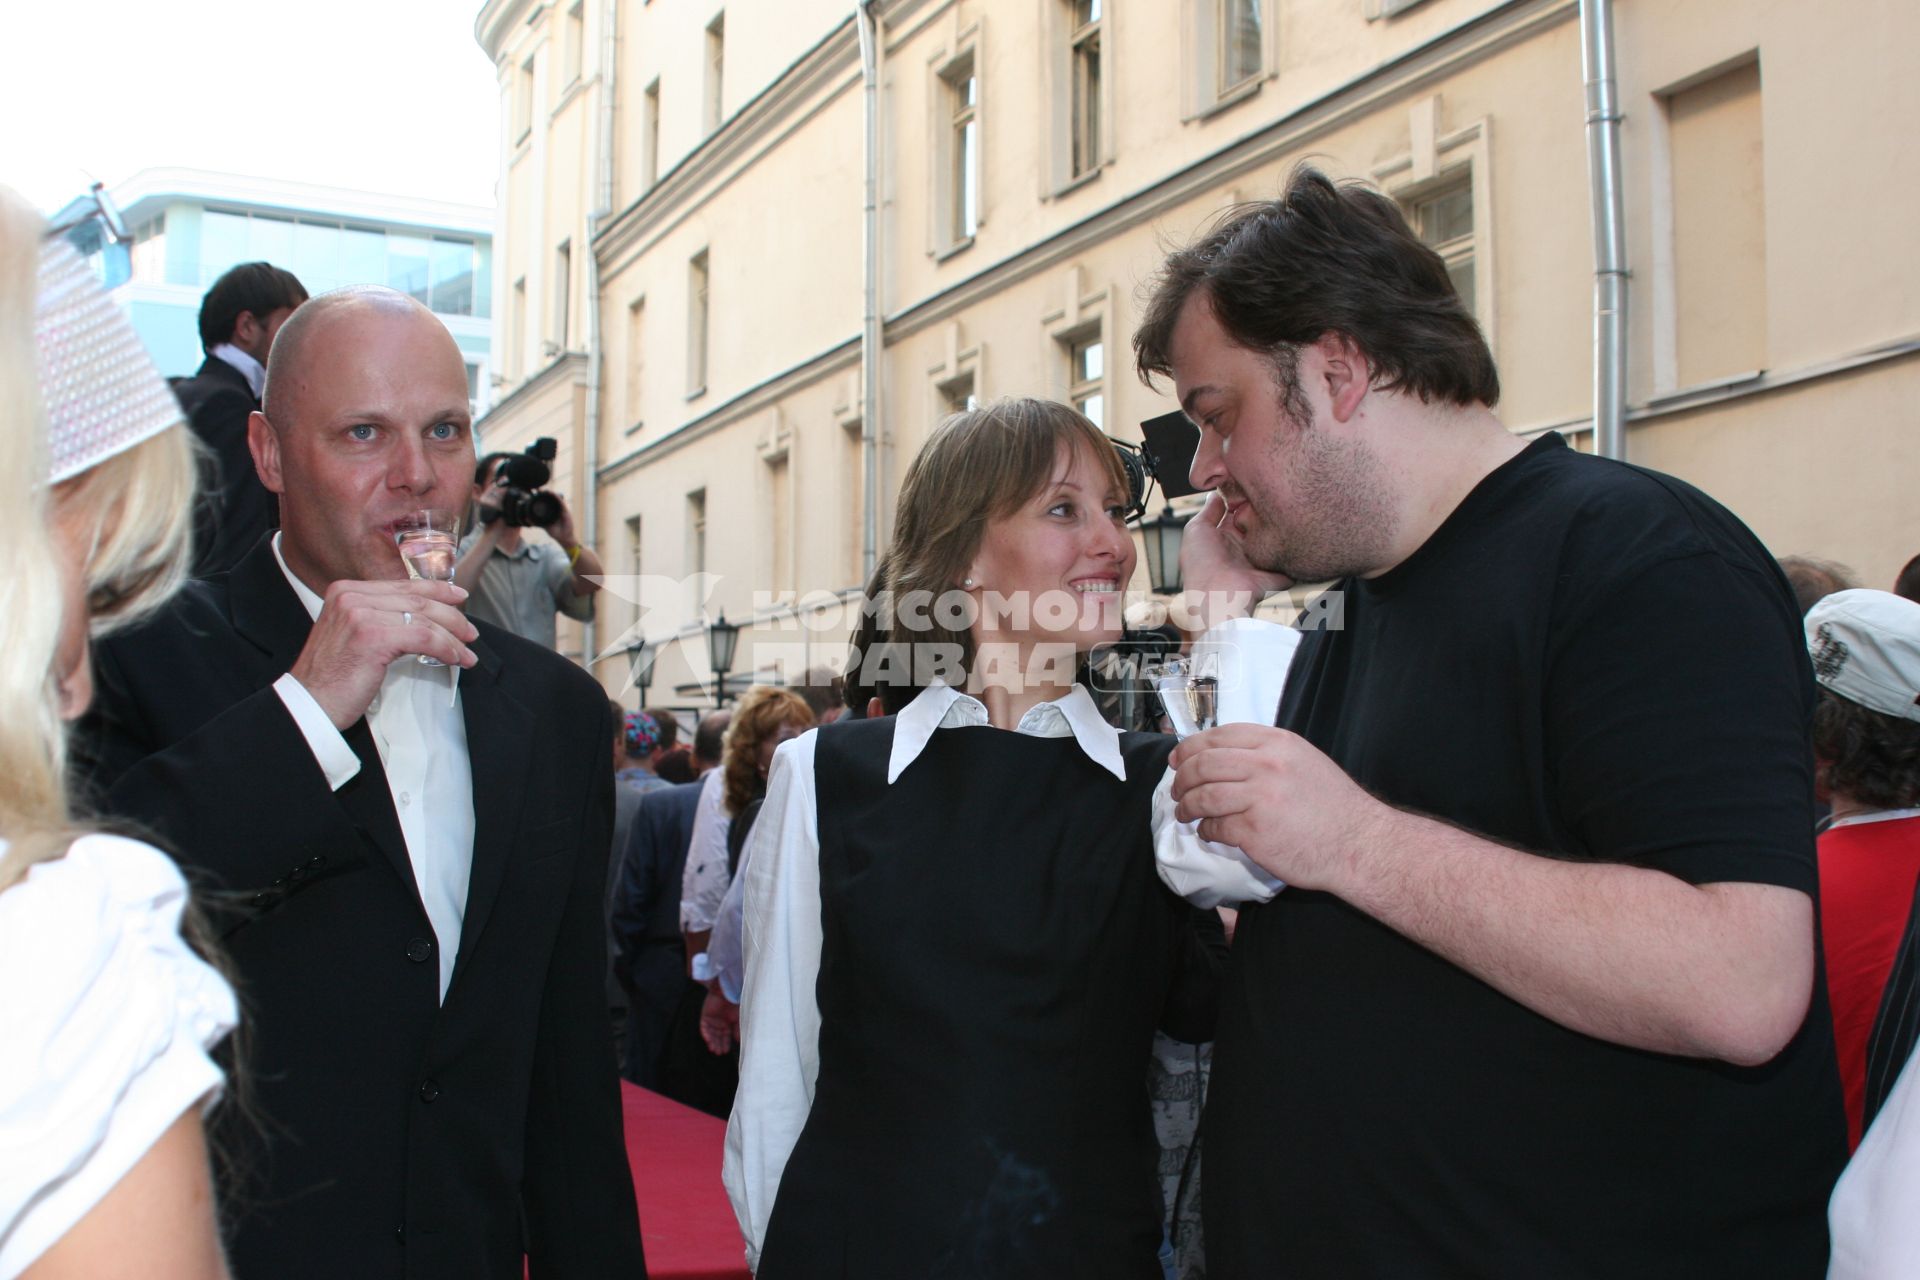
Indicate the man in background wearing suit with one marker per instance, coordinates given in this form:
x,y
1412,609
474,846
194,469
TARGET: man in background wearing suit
x,y
238,319
409,871
645,909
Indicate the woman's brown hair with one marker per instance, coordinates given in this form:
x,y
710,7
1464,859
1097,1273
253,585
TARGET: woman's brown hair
x,y
976,467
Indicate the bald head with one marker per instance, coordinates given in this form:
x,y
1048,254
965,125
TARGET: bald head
x,y
316,331
365,421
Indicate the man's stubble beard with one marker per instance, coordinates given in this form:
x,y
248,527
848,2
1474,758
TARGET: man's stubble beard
x,y
1339,521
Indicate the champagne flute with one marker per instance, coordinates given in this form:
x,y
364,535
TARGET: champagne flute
x,y
429,544
1190,692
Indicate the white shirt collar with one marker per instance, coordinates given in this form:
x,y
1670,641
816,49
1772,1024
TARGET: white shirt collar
x,y
941,706
1873,815
252,370
308,601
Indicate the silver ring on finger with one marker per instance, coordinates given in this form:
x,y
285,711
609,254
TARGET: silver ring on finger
x,y
406,618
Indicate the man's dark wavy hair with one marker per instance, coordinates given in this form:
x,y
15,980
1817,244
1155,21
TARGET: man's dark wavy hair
x,y
259,287
1326,258
1870,757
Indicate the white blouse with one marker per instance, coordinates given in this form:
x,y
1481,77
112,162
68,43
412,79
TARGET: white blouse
x,y
107,1016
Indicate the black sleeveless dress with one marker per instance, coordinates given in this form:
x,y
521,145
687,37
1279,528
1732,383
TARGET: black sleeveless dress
x,y
997,951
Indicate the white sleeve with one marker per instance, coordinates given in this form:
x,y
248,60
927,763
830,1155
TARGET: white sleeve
x,y
329,748
105,1043
779,1015
725,950
704,881
1203,872
1876,1232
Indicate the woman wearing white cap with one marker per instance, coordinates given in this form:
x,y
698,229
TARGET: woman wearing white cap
x,y
108,1013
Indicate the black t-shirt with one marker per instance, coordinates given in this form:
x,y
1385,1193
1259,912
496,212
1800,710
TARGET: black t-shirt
x,y
1589,661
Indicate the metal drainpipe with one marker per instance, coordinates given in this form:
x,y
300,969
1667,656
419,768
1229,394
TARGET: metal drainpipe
x,y
870,335
1609,230
596,354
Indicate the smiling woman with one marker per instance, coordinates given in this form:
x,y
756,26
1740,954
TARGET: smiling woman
x,y
957,947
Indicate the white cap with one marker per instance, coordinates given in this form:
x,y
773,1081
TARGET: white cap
x,y
1865,647
101,391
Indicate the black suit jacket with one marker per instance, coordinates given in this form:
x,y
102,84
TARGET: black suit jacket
x,y
234,507
396,1136
650,955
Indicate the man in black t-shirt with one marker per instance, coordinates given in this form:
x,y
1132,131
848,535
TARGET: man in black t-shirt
x,y
1540,997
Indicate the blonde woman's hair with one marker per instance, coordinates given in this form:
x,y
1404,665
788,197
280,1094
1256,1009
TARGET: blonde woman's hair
x,y
133,514
976,467
761,713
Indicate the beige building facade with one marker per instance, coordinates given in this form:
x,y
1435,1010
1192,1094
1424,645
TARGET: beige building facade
x,y
682,270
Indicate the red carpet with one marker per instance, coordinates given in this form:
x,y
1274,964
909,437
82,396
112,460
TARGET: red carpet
x,y
685,1220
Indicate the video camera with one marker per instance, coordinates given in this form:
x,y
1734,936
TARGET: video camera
x,y
1165,454
521,501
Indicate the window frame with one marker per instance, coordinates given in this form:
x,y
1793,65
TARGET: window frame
x,y
714,67
522,95
650,135
954,172
1086,47
699,322
1082,389
574,46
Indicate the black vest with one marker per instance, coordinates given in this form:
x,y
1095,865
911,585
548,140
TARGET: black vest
x,y
997,952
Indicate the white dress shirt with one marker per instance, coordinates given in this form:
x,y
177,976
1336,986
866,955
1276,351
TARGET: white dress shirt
x,y
422,740
704,880
1875,1210
249,368
780,874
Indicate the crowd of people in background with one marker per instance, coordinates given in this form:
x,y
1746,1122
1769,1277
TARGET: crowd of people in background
x,y
1554,911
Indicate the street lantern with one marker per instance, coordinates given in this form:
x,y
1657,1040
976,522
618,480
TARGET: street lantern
x,y
1161,538
721,638
640,656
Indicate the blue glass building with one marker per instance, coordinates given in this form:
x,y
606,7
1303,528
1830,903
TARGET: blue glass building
x,y
189,226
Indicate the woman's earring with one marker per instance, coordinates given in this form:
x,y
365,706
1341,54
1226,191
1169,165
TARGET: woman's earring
x,y
967,582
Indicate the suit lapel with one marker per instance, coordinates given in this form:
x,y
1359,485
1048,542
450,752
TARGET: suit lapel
x,y
498,728
268,614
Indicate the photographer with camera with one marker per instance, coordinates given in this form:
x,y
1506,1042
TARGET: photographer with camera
x,y
514,583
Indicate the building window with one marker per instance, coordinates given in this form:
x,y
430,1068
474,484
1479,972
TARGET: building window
x,y
576,42
650,135
523,102
960,85
697,316
1087,377
150,251
562,293
1710,321
1442,216
957,395
633,567
853,474
1237,44
780,523
518,334
636,359
697,532
1084,58
716,71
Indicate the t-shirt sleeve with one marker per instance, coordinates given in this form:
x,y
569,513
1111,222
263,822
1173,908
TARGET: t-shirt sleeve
x,y
1677,726
560,583
108,1018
